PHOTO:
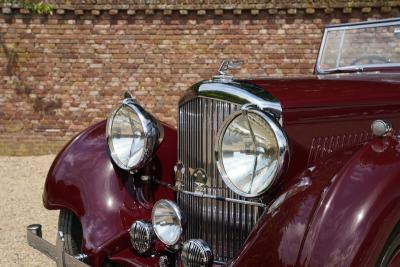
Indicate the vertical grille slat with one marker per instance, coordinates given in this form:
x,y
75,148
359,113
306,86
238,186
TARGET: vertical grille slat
x,y
223,225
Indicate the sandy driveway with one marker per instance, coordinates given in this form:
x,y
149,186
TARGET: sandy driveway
x,y
21,188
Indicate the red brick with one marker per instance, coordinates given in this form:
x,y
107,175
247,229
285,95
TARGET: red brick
x,y
73,69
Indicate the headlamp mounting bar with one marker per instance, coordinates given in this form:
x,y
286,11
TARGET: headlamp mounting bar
x,y
205,195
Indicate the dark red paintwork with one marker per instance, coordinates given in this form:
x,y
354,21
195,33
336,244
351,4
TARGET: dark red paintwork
x,y
342,219
357,89
84,180
395,261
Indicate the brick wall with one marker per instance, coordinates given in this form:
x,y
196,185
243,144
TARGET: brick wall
x,y
62,73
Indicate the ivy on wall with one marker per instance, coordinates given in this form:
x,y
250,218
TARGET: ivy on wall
x,y
11,52
36,7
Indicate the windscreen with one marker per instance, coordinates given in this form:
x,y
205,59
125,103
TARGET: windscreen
x,y
376,45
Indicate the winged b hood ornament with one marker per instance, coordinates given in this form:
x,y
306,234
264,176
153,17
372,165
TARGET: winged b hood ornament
x,y
226,65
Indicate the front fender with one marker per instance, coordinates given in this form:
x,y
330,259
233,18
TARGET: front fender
x,y
359,210
339,212
84,180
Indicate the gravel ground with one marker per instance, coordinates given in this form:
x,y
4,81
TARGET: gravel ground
x,y
22,180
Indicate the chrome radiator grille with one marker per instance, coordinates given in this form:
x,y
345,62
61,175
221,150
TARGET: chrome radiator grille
x,y
223,225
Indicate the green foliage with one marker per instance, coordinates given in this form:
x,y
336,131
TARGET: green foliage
x,y
37,7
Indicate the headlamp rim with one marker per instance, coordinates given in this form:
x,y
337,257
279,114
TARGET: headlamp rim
x,y
152,130
177,212
281,140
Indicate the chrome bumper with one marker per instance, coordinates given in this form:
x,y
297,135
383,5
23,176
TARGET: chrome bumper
x,y
54,252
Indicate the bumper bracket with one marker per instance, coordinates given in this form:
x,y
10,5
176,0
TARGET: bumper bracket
x,y
54,252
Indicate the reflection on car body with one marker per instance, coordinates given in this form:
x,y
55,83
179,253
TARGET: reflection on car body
x,y
271,172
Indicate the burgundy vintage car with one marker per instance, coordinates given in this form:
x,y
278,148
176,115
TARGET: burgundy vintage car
x,y
259,172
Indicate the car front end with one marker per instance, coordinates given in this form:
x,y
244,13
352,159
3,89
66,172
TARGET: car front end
x,y
257,172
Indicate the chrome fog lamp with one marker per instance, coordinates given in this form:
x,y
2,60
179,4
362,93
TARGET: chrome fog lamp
x,y
142,236
196,252
251,152
132,135
167,221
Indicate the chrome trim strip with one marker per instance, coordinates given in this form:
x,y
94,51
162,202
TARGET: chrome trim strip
x,y
205,195
54,252
364,24
339,55
321,48
237,92
220,198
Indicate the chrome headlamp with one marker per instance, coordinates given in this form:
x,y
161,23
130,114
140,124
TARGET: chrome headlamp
x,y
132,135
251,152
167,221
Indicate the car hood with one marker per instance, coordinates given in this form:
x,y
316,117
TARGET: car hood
x,y
334,90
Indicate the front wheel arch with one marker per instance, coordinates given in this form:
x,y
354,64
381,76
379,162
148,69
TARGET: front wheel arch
x,y
359,208
392,245
71,228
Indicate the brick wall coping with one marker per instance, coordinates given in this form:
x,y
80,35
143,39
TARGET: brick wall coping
x,y
203,7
